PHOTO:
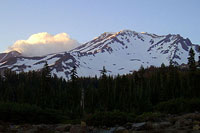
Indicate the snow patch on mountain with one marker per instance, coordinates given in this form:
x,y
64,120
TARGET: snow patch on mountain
x,y
121,53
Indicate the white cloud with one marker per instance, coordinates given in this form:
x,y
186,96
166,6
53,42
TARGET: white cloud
x,y
44,43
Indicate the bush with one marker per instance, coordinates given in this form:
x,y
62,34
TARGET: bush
x,y
193,105
180,105
109,119
149,116
25,113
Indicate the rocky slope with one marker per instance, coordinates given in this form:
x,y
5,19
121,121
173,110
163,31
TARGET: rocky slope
x,y
120,53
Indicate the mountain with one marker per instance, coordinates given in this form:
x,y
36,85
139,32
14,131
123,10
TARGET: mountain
x,y
120,53
5,56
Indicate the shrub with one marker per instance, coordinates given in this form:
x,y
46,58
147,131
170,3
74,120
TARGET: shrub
x,y
25,113
109,118
149,116
179,105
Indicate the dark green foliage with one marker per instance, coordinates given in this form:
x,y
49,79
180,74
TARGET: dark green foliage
x,y
134,93
199,62
109,118
191,60
149,116
171,64
179,105
199,56
103,72
74,75
23,113
162,65
46,73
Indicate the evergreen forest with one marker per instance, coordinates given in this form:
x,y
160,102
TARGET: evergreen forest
x,y
39,97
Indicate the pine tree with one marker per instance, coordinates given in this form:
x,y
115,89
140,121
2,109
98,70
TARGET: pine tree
x,y
199,56
191,60
103,72
45,84
46,71
141,68
199,62
103,93
74,75
171,64
162,65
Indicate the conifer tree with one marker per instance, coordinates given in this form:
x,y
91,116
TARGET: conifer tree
x,y
162,65
46,71
103,72
199,56
199,62
191,60
45,84
104,89
171,64
74,75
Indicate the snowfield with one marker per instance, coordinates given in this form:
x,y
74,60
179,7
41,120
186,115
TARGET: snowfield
x,y
120,53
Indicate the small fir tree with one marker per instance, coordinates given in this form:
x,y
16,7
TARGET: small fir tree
x,y
162,65
199,56
46,71
74,75
191,60
103,72
171,64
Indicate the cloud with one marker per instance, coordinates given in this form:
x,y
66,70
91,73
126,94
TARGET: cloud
x,y
44,43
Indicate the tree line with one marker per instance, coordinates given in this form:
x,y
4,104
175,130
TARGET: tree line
x,y
137,92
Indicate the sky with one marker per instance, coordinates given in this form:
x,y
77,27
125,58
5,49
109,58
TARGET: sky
x,y
83,20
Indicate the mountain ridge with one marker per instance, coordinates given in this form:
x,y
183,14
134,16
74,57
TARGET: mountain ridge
x,y
121,52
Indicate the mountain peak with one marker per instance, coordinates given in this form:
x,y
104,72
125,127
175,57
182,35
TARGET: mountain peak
x,y
14,53
8,55
107,33
120,52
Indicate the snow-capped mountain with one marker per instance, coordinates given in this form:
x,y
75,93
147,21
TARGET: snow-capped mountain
x,y
120,53
5,56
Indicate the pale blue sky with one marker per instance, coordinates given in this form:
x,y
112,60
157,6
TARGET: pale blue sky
x,y
85,19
